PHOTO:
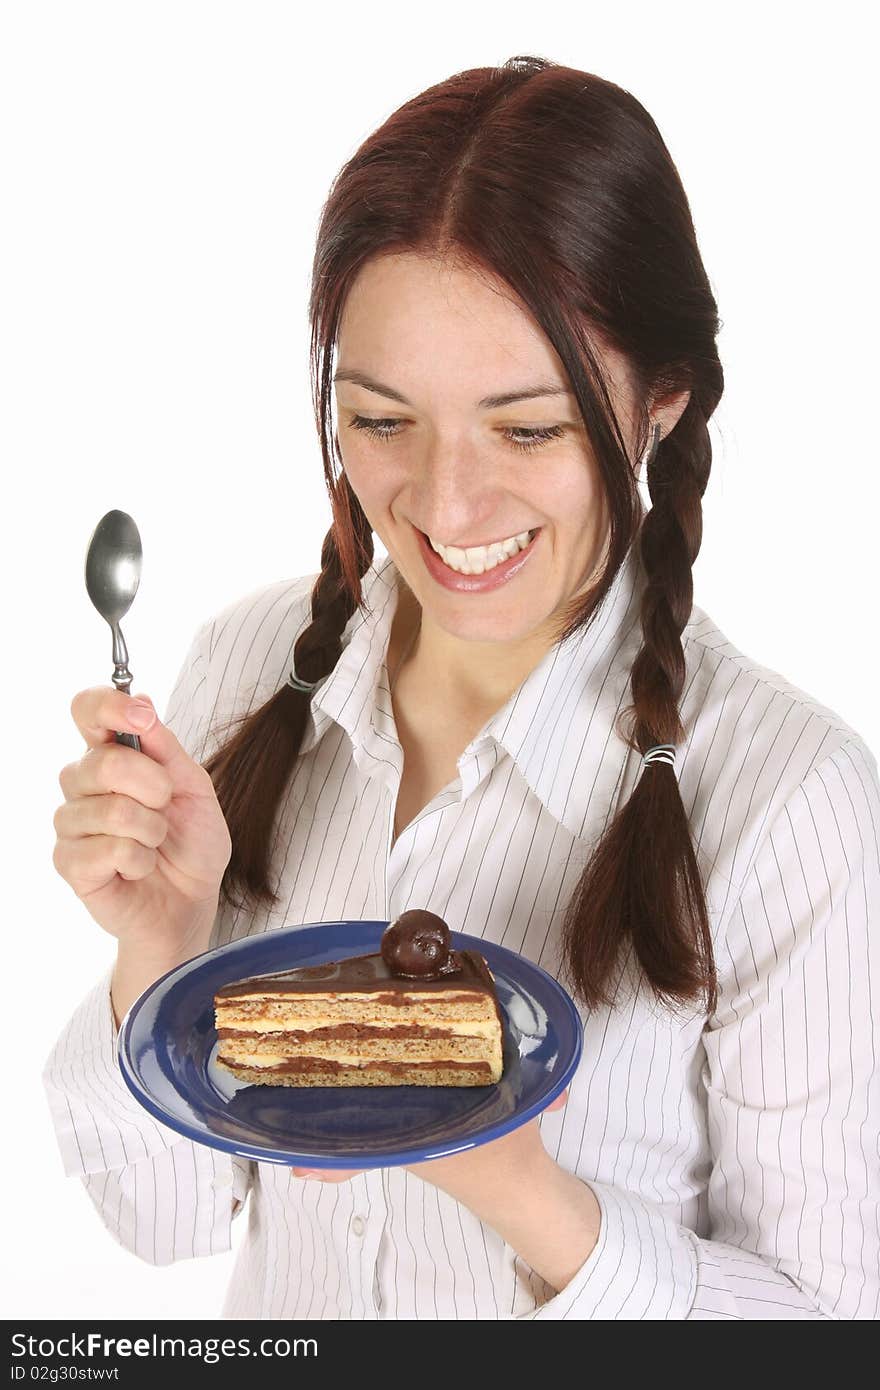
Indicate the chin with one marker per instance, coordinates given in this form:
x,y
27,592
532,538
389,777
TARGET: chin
x,y
514,628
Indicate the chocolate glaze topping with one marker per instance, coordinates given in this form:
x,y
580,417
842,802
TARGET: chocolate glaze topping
x,y
363,974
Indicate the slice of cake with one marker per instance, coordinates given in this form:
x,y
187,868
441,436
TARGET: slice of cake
x,y
416,1013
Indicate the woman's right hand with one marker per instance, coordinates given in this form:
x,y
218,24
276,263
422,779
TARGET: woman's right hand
x,y
141,838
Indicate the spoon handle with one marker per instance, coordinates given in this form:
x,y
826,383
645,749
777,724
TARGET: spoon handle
x,y
122,680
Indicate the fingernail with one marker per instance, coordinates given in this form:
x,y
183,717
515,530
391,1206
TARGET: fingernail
x,y
141,713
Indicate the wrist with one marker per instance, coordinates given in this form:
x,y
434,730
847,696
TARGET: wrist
x,y
140,951
140,964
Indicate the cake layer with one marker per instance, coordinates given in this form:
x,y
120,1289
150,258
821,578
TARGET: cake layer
x,y
312,1072
301,1011
345,1049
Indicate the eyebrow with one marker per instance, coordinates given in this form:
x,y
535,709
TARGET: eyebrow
x,y
525,393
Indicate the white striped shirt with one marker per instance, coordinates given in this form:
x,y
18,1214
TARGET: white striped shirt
x,y
734,1159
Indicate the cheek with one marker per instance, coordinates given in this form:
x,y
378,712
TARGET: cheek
x,y
577,484
374,478
573,504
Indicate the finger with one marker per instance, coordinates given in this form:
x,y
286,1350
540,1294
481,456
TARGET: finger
x,y
111,814
90,863
327,1174
101,712
116,768
560,1100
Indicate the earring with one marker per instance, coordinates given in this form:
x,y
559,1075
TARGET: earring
x,y
651,450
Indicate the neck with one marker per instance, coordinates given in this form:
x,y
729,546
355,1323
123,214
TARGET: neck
x,y
463,676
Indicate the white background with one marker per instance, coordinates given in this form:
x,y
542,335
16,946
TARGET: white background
x,y
162,170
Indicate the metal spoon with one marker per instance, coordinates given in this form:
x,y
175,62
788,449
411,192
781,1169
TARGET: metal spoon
x,y
113,572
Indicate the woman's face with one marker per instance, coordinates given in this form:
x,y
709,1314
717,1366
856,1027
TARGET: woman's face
x,y
455,468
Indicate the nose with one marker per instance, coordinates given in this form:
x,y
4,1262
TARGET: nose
x,y
455,494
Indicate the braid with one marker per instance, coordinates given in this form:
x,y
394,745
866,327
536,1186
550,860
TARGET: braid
x,y
642,884
333,599
669,542
264,748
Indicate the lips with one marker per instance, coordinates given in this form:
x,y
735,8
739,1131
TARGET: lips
x,y
475,583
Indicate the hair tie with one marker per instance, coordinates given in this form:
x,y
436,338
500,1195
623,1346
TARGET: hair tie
x,y
660,753
300,685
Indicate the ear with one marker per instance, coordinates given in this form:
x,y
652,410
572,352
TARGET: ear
x,y
670,410
666,413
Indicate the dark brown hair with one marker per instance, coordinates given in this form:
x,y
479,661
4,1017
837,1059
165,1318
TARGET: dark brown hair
x,y
558,183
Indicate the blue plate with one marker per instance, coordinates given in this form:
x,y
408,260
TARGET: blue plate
x,y
167,1054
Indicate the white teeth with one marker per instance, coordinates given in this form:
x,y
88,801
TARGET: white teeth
x,y
478,559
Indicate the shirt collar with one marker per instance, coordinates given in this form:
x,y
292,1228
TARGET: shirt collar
x,y
556,725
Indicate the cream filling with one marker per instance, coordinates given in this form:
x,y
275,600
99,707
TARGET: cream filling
x,y
476,1028
351,1059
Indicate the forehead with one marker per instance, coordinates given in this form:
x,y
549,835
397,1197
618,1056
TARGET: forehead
x,y
415,322
437,329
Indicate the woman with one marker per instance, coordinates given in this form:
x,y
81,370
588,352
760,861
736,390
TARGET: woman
x,y
544,741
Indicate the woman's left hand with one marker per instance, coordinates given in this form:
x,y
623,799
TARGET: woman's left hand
x,y
467,1175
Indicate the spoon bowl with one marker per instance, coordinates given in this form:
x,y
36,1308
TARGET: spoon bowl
x,y
113,565
113,573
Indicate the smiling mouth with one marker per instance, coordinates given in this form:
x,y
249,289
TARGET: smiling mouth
x,y
481,545
475,574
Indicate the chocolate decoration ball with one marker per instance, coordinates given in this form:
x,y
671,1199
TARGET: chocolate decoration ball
x,y
416,944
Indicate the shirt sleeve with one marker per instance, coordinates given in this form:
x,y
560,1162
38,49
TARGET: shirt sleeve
x,y
161,1196
792,1092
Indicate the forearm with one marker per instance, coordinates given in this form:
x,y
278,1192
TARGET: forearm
x,y
547,1215
162,1196
99,1125
553,1226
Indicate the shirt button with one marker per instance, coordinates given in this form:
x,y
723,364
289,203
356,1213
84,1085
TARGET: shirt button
x,y
358,1225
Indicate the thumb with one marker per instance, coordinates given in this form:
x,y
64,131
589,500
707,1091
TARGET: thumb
x,y
159,743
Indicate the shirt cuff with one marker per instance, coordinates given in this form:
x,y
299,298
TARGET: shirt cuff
x,y
98,1123
643,1265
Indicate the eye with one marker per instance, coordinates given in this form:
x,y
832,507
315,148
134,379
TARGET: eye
x,y
379,429
533,438
520,437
